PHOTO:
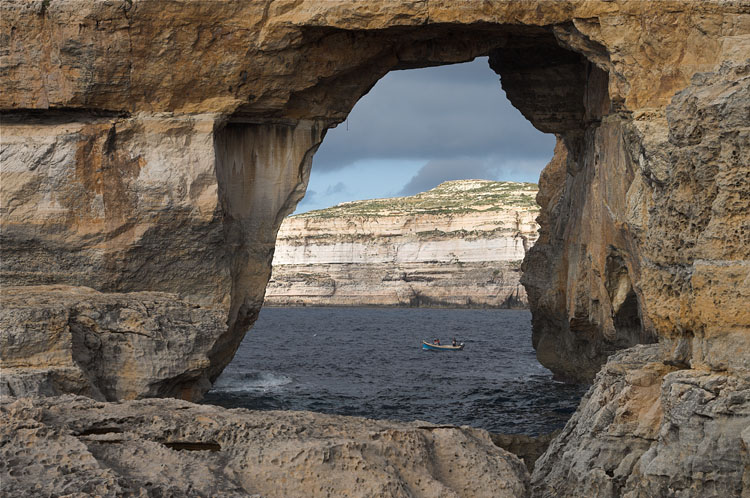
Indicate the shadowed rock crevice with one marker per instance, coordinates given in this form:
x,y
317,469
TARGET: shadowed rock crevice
x,y
192,446
528,448
625,308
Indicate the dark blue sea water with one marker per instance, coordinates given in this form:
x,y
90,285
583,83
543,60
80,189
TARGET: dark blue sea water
x,y
369,362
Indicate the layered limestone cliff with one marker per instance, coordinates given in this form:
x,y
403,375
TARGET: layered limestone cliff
x,y
458,245
157,146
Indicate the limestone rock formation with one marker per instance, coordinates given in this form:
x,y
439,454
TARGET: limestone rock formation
x,y
58,339
174,448
459,245
650,429
159,145
90,199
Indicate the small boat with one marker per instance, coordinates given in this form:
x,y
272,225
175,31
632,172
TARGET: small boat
x,y
428,346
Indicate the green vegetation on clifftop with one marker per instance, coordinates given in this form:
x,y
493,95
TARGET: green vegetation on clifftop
x,y
454,197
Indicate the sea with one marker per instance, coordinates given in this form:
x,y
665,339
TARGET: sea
x,y
369,362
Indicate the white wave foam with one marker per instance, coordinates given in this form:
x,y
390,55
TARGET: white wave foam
x,y
251,381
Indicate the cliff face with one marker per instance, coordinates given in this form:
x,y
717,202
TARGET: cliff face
x,y
644,234
671,255
460,244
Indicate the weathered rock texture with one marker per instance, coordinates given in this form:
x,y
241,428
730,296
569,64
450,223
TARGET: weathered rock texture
x,y
60,339
458,245
158,145
100,202
649,429
52,446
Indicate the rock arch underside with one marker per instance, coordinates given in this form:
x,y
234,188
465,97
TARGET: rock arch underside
x,y
151,149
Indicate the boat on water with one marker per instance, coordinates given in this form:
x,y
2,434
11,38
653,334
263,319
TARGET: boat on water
x,y
429,346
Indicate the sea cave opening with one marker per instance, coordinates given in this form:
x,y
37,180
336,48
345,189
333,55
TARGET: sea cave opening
x,y
344,316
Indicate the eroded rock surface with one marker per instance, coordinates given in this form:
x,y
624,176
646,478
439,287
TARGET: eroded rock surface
x,y
174,448
113,203
650,429
527,448
58,339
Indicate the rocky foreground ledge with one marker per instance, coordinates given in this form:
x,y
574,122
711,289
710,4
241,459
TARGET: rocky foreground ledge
x,y
76,446
646,428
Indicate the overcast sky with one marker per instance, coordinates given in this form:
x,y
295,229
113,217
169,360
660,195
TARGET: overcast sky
x,y
418,128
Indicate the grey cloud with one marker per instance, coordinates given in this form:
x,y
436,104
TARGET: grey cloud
x,y
436,113
438,171
335,189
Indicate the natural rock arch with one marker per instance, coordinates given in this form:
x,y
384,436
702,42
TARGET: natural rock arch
x,y
174,137
559,90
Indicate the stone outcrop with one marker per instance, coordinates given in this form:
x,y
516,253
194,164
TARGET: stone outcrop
x,y
668,219
651,429
59,339
174,448
457,245
644,233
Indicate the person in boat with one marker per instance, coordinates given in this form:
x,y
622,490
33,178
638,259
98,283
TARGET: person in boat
x,y
454,342
436,341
